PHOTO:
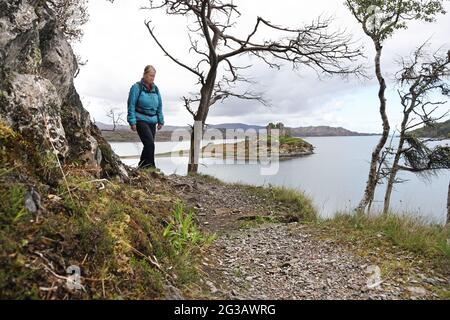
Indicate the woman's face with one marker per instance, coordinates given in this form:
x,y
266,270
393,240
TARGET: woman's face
x,y
149,77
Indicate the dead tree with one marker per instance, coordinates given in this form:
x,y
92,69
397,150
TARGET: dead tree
x,y
379,20
116,117
212,40
421,159
425,76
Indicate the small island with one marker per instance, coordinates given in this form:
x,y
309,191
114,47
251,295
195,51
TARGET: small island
x,y
250,149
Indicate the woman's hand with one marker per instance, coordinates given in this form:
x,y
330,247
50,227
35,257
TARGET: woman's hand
x,y
160,126
133,127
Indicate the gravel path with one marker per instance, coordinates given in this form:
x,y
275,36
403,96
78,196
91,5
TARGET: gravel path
x,y
283,260
279,261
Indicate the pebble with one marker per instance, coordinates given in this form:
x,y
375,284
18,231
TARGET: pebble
x,y
286,261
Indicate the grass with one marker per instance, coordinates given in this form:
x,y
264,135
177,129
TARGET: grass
x,y
299,200
390,234
288,140
430,241
12,204
397,243
293,141
371,231
408,233
299,206
128,249
183,232
115,232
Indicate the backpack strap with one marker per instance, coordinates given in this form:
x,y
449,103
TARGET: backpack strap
x,y
140,91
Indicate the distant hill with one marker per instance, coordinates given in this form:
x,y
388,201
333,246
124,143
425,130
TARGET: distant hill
x,y
124,133
317,131
437,130
235,126
322,131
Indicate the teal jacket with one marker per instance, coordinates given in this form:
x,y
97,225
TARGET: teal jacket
x,y
149,108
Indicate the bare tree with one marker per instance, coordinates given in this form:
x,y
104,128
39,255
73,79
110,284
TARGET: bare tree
x,y
425,76
116,116
379,20
211,40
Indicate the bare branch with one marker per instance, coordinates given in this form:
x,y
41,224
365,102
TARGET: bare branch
x,y
196,72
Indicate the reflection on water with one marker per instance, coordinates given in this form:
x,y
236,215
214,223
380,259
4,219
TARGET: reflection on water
x,y
334,176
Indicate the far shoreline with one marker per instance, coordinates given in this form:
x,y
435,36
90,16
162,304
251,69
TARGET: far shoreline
x,y
165,136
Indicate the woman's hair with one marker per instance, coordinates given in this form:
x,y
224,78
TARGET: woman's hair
x,y
149,68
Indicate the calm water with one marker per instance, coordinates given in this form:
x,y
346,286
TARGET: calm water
x,y
334,176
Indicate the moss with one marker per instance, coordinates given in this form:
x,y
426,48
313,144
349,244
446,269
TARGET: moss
x,y
17,155
117,243
95,240
36,58
444,294
112,231
106,152
12,201
6,133
30,54
16,280
150,280
108,163
12,275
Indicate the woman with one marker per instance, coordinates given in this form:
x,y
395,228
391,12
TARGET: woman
x,y
145,114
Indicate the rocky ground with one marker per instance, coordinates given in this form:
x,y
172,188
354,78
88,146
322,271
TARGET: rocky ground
x,y
289,259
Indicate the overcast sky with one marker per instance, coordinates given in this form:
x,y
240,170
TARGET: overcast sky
x,y
117,46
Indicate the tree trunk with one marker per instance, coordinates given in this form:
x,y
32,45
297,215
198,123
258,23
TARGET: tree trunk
x,y
393,174
398,154
194,151
200,119
448,205
373,176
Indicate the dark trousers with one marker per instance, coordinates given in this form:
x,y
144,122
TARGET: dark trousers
x,y
146,132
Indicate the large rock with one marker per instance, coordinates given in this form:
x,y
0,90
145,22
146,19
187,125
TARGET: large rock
x,y
33,108
37,94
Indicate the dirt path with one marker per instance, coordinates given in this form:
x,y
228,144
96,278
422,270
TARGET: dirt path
x,y
280,260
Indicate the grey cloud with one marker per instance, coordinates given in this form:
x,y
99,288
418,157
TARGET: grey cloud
x,y
117,46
